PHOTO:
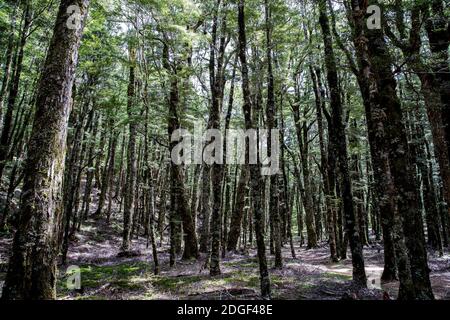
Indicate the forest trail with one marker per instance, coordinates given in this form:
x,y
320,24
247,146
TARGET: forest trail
x,y
311,276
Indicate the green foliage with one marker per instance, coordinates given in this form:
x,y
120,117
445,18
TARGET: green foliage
x,y
124,276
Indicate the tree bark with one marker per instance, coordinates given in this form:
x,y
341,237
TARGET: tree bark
x,y
8,57
274,203
438,29
400,162
238,212
384,187
338,130
32,267
180,214
255,174
326,175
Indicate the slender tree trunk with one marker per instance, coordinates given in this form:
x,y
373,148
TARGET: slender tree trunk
x,y
149,195
274,201
8,57
152,230
359,274
205,212
306,188
85,209
107,183
238,212
428,190
214,123
227,183
326,175
71,182
289,198
5,137
130,183
255,174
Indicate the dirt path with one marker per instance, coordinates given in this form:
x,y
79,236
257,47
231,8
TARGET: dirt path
x,y
309,276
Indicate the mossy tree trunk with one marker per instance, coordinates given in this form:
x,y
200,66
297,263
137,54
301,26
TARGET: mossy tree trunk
x,y
255,174
402,170
274,200
32,267
340,141
130,181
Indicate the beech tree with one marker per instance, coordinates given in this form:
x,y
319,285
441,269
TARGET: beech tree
x,y
32,268
118,148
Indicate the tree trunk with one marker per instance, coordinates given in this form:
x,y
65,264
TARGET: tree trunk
x,y
400,164
107,182
338,130
5,137
438,29
274,201
255,174
8,56
238,212
205,210
180,214
384,186
32,267
227,207
326,175
214,123
301,127
130,182
85,209
425,169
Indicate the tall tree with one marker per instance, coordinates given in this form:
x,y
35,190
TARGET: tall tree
x,y
255,174
130,183
32,267
272,124
340,141
400,161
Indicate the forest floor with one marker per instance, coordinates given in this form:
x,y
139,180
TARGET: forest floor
x,y
311,276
